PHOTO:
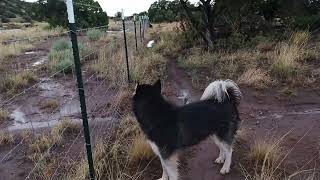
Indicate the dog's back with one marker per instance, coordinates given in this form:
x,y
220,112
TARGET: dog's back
x,y
197,121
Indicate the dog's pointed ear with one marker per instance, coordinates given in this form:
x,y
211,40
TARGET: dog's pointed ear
x,y
157,85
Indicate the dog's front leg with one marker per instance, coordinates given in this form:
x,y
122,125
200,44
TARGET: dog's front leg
x,y
155,149
171,165
164,171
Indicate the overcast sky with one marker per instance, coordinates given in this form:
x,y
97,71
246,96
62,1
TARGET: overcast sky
x,y
129,6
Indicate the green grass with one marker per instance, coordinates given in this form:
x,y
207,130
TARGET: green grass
x,y
61,45
61,56
94,35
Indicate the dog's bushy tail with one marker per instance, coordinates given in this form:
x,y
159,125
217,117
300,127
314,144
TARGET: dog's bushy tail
x,y
223,90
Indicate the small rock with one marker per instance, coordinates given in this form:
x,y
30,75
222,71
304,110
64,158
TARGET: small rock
x,y
258,122
260,112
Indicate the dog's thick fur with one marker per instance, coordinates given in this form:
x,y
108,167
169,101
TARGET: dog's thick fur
x,y
170,128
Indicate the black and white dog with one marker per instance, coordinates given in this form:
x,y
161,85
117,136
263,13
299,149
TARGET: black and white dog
x,y
170,128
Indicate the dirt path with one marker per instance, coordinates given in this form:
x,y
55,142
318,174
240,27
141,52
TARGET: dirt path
x,y
265,114
199,160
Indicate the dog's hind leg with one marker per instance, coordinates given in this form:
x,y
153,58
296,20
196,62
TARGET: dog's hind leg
x,y
227,148
222,156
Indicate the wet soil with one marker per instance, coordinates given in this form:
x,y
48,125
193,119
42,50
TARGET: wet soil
x,y
265,114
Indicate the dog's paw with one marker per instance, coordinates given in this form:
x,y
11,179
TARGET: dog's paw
x,y
224,170
219,160
163,178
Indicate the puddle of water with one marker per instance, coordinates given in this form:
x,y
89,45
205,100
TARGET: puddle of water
x,y
70,108
49,88
277,116
308,112
40,61
30,52
50,124
18,116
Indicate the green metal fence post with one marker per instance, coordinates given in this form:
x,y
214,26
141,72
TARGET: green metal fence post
x,y
76,56
125,45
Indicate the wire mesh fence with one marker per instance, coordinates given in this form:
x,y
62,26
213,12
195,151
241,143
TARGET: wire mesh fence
x,y
46,115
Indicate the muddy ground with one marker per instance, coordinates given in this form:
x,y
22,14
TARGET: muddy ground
x,y
265,114
28,112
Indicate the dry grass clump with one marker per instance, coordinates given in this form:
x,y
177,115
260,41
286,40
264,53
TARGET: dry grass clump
x,y
42,143
140,149
299,38
19,81
50,105
4,115
282,62
13,49
286,63
65,128
147,66
204,67
287,56
198,60
264,151
263,159
254,77
119,157
6,138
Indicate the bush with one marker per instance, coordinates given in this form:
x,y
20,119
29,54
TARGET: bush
x,y
61,57
94,35
65,65
307,22
61,44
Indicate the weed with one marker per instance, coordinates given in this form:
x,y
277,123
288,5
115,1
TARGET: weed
x,y
285,61
35,31
61,45
140,149
13,50
41,144
94,35
287,91
18,81
4,115
254,77
50,105
287,55
6,138
61,56
299,39
264,150
66,127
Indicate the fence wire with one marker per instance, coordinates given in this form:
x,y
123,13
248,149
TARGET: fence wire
x,y
101,113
